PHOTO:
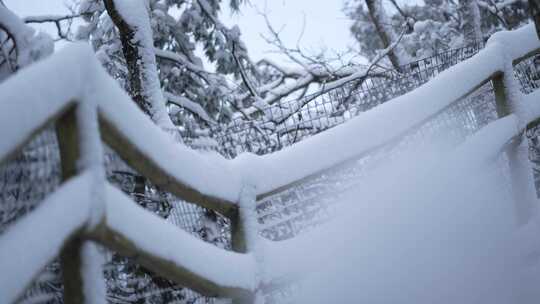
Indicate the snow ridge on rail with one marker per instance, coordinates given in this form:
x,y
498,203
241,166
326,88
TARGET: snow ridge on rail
x,y
47,227
390,120
73,76
167,242
67,212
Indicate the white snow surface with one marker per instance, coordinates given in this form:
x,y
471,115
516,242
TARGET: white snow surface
x,y
91,157
34,240
94,288
58,77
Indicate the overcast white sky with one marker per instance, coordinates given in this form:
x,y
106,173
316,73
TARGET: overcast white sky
x,y
325,24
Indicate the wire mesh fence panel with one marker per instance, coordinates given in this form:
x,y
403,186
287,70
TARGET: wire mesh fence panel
x,y
28,178
528,74
290,121
285,214
25,181
294,210
8,52
129,282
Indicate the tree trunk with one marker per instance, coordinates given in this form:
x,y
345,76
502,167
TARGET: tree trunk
x,y
472,27
138,49
386,32
132,56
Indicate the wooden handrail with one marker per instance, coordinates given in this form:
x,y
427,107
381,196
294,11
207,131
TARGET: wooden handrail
x,y
156,174
111,233
70,143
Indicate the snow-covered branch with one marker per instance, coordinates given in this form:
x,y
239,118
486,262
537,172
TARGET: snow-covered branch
x,y
133,22
398,57
191,106
27,45
56,19
327,77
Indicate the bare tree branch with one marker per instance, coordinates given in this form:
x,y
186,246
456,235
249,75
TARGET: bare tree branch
x,y
57,20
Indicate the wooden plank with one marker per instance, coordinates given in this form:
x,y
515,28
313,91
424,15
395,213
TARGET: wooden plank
x,y
523,198
67,132
145,166
121,244
501,104
526,56
239,234
71,263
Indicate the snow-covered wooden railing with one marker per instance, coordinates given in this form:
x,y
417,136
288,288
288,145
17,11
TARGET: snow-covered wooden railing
x,y
390,121
73,92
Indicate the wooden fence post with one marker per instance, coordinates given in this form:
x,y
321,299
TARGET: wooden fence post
x,y
75,254
244,231
67,132
523,190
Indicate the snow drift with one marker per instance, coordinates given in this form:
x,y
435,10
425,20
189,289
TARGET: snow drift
x,y
425,228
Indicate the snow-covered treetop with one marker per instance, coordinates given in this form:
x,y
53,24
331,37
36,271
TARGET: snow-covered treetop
x,y
21,45
433,25
178,28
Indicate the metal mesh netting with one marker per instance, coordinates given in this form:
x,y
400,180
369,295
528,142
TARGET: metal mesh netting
x,y
28,178
24,182
8,52
528,74
291,121
290,212
131,283
298,209
35,173
285,214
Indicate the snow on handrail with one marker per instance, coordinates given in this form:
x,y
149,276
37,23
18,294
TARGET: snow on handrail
x,y
391,120
172,252
37,95
49,226
32,99
166,249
